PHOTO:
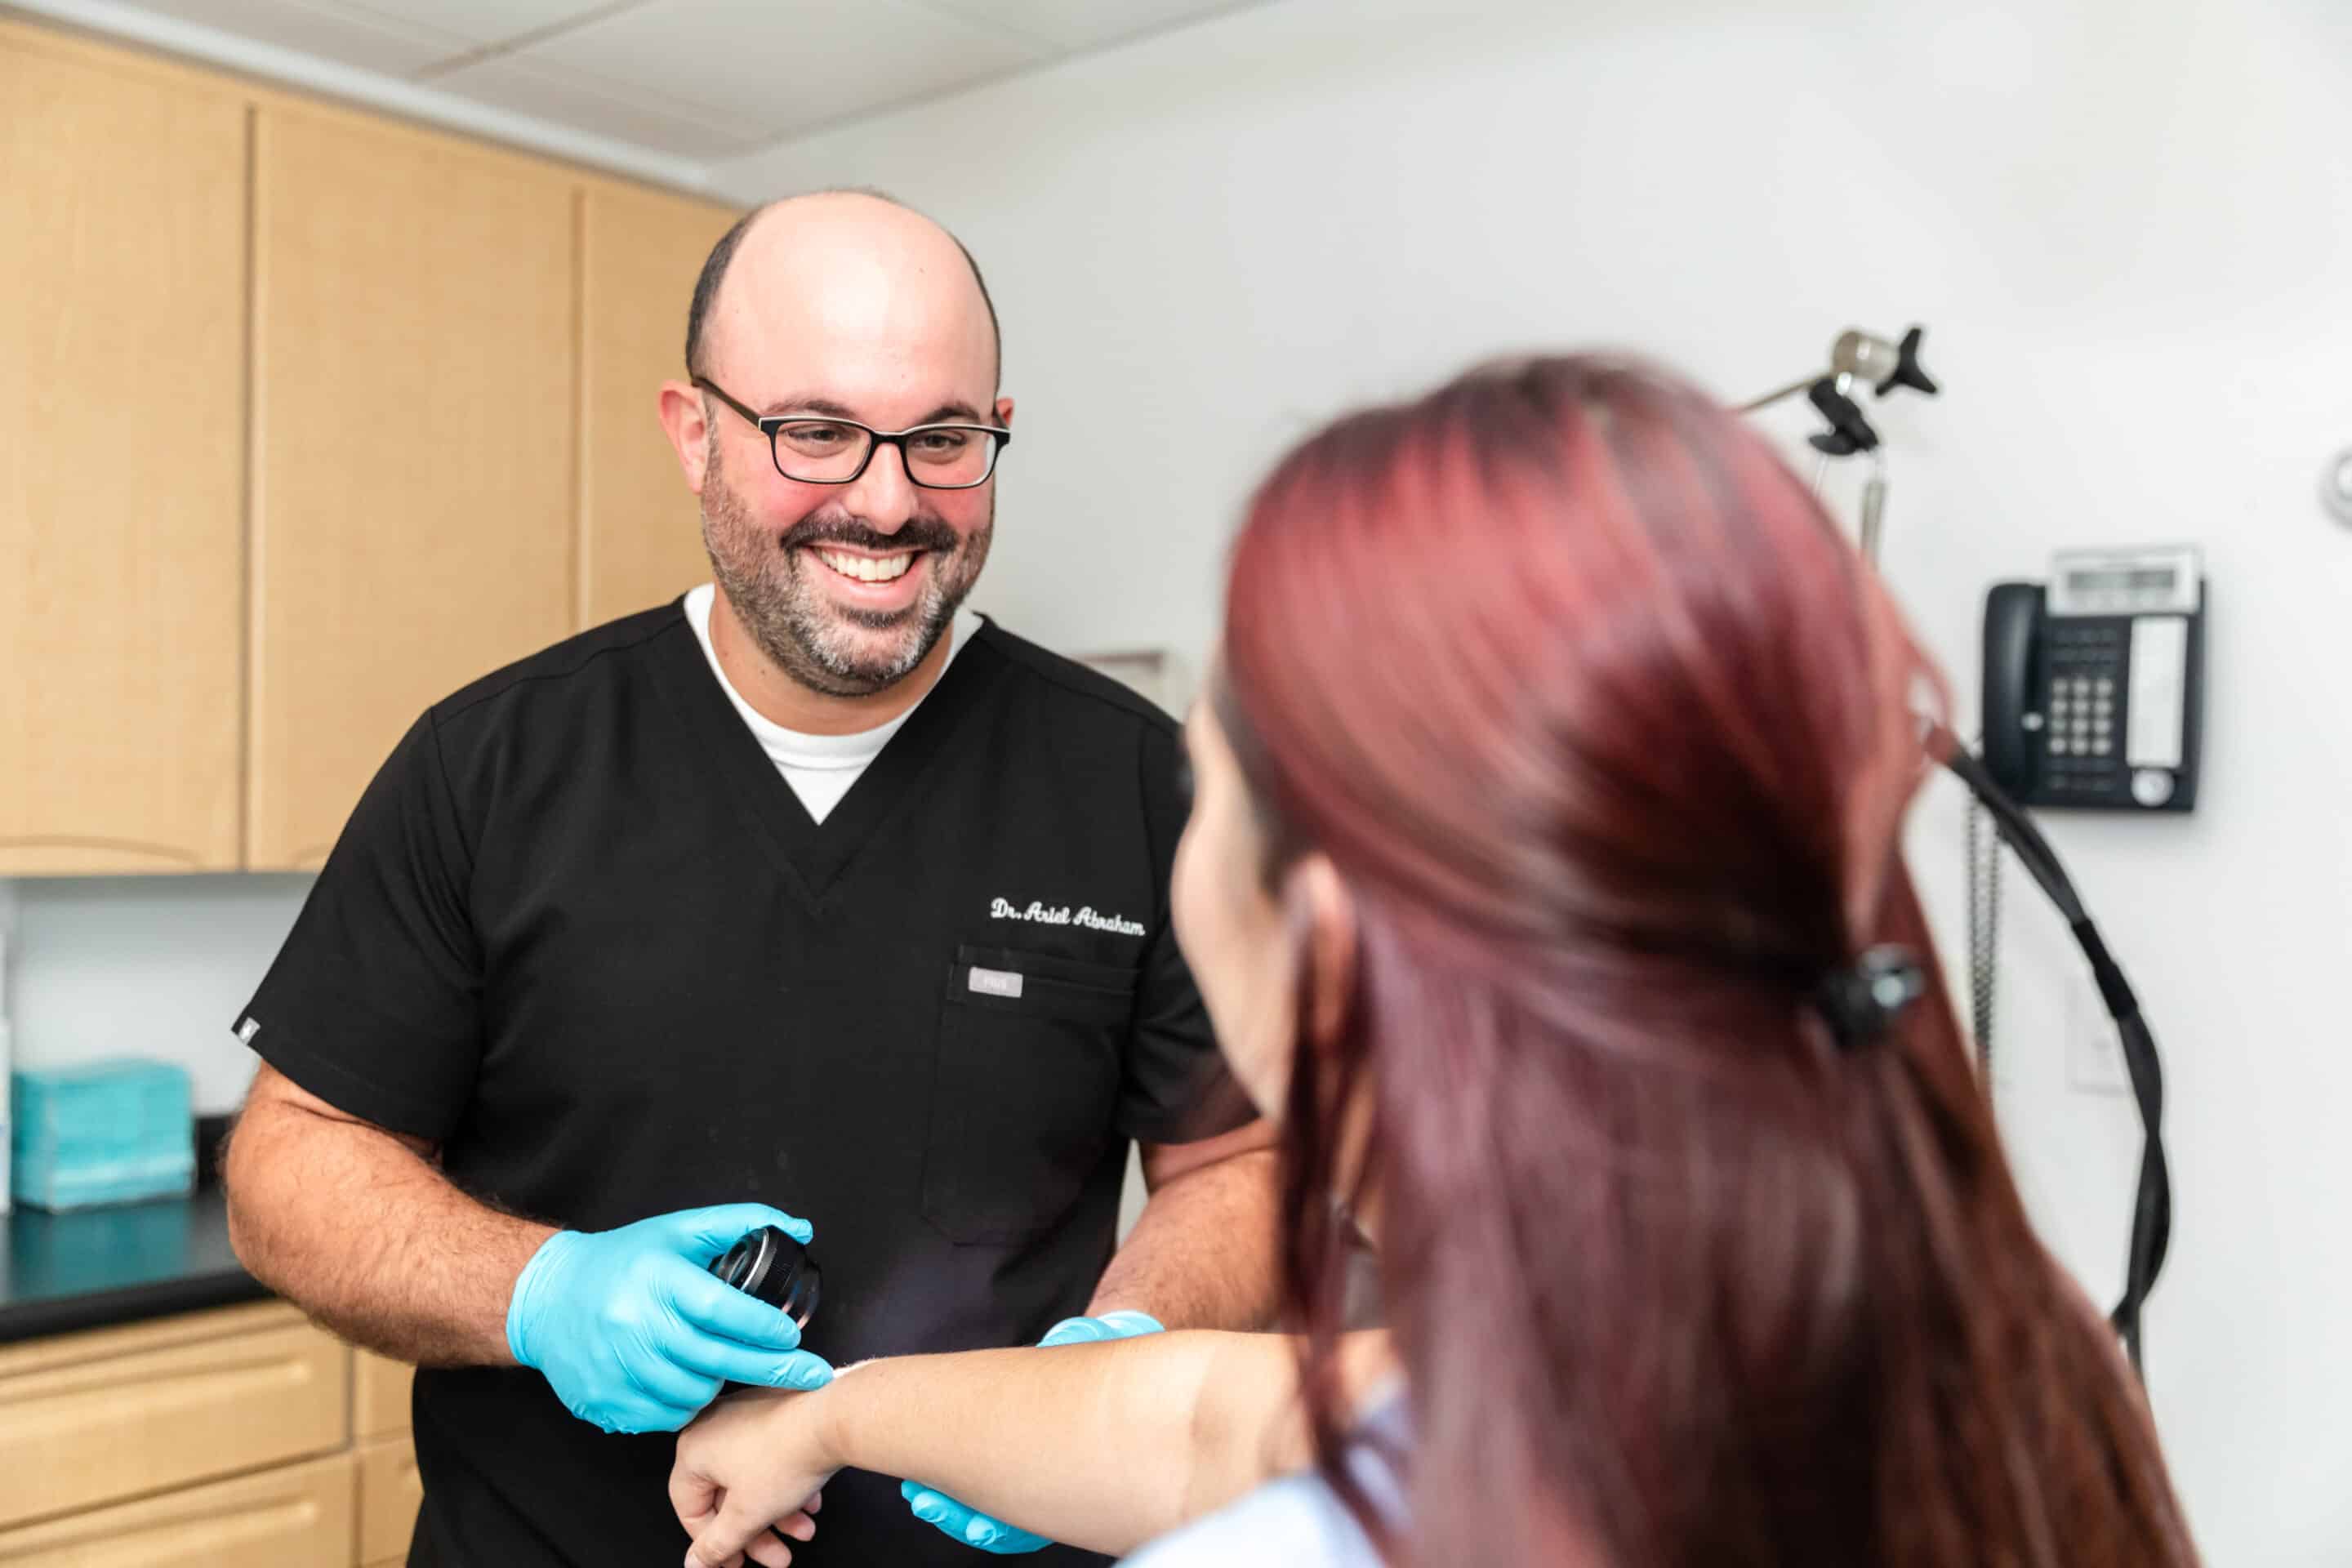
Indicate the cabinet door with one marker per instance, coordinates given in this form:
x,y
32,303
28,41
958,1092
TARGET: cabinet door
x,y
297,1517
390,1494
380,1396
121,462
641,535
414,419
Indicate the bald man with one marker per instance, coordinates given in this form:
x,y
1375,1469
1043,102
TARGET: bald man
x,y
812,901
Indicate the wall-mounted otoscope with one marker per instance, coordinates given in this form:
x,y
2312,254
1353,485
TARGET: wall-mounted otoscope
x,y
1857,357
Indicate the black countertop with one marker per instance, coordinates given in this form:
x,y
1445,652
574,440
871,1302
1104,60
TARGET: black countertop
x,y
90,1269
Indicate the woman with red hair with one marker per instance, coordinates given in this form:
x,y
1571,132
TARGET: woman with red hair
x,y
1543,880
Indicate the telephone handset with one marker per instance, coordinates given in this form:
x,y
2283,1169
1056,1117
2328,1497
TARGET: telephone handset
x,y
2093,684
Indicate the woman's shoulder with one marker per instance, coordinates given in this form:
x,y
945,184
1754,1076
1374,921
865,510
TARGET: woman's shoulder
x,y
1296,1522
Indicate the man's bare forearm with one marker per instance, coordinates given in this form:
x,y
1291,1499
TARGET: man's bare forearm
x,y
1201,1255
360,1230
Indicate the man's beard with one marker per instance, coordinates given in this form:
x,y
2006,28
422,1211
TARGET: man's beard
x,y
814,641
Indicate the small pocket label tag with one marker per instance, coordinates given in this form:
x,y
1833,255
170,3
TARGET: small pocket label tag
x,y
995,982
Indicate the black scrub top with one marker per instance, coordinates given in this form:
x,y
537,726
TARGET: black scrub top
x,y
581,934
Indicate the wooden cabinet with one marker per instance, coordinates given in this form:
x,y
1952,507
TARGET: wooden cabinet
x,y
121,461
86,1418
217,1439
414,422
301,1516
391,1491
390,1494
379,1388
640,533
308,418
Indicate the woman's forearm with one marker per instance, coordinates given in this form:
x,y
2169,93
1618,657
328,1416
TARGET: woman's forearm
x,y
1104,1446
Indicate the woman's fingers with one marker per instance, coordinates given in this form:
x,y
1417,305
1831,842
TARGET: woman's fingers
x,y
802,1526
693,1497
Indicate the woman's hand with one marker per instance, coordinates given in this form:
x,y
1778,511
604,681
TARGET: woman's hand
x,y
751,1460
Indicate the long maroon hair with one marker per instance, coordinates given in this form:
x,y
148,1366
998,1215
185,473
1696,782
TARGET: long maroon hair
x,y
1609,735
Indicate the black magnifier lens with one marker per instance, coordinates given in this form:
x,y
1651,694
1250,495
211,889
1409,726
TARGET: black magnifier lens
x,y
769,1264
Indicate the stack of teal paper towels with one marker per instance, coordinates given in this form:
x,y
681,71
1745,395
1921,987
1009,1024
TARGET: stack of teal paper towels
x,y
103,1132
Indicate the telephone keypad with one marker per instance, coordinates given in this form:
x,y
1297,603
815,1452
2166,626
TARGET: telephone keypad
x,y
2086,666
2108,708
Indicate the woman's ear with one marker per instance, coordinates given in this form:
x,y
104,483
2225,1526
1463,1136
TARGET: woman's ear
x,y
1324,917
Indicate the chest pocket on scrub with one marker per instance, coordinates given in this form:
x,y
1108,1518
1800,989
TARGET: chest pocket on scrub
x,y
1024,1087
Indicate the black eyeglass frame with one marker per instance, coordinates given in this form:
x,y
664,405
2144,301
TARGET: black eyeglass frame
x,y
769,424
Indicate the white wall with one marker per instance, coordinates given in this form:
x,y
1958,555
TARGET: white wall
x,y
2129,229
143,966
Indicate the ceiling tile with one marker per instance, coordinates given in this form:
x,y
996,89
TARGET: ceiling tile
x,y
484,21
1085,24
343,34
524,86
768,69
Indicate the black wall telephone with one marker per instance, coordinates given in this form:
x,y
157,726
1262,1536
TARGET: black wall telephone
x,y
2095,684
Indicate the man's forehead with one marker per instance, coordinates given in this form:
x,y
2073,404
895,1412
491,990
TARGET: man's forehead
x,y
858,295
856,374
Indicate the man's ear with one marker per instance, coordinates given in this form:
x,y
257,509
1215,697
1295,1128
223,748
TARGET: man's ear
x,y
1004,412
685,420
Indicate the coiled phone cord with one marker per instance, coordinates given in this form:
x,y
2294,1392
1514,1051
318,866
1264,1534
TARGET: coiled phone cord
x,y
1984,932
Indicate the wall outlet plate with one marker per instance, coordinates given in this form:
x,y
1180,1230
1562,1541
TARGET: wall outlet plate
x,y
2094,1052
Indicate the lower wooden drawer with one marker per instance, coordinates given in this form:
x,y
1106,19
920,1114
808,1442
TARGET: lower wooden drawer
x,y
390,1495
296,1517
94,1418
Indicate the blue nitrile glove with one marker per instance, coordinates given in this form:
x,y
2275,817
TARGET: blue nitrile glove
x,y
634,1332
977,1530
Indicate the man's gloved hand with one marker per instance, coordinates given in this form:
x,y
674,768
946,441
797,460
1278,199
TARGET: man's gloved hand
x,y
635,1334
977,1530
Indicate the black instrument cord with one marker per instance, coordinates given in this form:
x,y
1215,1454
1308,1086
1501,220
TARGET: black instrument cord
x,y
2151,1226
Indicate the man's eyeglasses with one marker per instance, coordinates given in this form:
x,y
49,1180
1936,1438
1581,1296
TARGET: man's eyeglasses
x,y
819,450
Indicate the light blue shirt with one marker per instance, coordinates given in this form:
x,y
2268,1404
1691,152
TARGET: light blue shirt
x,y
1297,1521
